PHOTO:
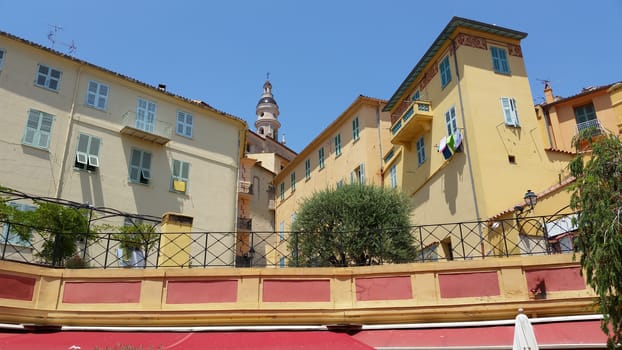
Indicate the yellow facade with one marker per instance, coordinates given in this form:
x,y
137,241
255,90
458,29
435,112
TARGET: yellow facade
x,y
92,104
501,155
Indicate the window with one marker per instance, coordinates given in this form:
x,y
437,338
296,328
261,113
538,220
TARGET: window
x,y
415,96
358,175
97,95
282,231
87,152
445,72
355,128
393,175
282,190
340,183
140,166
179,180
585,116
320,156
1,58
10,236
509,111
145,115
48,77
338,145
421,150
293,218
308,169
292,180
184,124
282,262
500,60
450,120
38,129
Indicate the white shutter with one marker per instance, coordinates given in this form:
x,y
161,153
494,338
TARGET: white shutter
x,y
506,105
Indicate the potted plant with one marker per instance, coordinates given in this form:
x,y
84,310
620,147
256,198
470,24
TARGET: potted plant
x,y
135,242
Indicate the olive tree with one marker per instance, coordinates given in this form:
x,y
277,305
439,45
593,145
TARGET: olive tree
x,y
352,225
597,193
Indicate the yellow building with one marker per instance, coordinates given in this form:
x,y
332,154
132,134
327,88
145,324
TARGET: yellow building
x,y
349,150
80,132
561,119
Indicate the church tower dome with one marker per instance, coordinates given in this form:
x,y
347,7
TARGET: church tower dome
x,y
267,111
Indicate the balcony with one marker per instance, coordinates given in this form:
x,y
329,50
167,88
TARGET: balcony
x,y
154,131
245,224
593,125
245,188
416,119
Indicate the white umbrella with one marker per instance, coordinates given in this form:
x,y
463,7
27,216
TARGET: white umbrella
x,y
524,338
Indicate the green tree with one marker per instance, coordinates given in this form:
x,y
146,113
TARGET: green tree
x,y
597,193
352,225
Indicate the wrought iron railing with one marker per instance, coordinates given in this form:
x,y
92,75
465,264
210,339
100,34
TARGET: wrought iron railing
x,y
540,235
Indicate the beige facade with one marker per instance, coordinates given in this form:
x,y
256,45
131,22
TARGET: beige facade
x,y
76,131
561,119
348,150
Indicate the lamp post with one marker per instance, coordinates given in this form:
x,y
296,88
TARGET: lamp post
x,y
530,199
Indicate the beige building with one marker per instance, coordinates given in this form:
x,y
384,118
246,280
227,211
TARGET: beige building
x,y
77,131
349,150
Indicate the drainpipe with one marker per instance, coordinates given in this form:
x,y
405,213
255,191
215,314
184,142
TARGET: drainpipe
x,y
61,178
379,143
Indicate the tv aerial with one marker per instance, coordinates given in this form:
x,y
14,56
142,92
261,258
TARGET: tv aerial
x,y
71,47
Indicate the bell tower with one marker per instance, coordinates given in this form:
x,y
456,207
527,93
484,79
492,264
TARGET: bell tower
x,y
267,123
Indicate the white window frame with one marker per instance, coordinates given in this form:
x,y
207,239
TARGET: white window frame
x,y
38,131
146,112
320,155
49,79
282,191
97,95
292,181
180,172
358,174
355,129
451,121
185,122
421,151
142,170
2,55
510,114
393,175
87,152
308,169
337,145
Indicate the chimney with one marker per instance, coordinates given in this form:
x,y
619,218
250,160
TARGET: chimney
x,y
162,87
548,92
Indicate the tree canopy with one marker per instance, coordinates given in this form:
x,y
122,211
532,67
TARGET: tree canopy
x,y
352,225
597,193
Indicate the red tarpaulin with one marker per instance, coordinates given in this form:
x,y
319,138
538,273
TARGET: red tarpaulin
x,y
71,340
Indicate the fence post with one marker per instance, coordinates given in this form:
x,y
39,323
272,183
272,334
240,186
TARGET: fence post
x,y
6,238
462,242
107,251
421,245
56,250
296,249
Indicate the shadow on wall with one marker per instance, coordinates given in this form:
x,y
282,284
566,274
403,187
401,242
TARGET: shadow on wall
x,y
452,179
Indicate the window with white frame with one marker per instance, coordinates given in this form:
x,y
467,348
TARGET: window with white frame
x,y
146,115
355,129
292,181
499,60
445,72
2,54
393,175
38,129
337,145
340,183
48,77
421,150
180,176
97,95
358,174
450,121
9,235
140,166
307,169
87,152
510,116
185,121
282,191
320,156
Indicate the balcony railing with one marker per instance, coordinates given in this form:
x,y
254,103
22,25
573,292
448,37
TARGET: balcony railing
x,y
245,187
540,235
155,131
416,119
592,125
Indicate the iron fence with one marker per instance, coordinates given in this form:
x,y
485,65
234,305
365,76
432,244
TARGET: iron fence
x,y
539,235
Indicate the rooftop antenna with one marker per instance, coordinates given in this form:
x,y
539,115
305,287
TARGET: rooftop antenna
x,y
71,47
268,76
546,82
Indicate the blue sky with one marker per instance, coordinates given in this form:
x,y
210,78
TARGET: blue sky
x,y
320,54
